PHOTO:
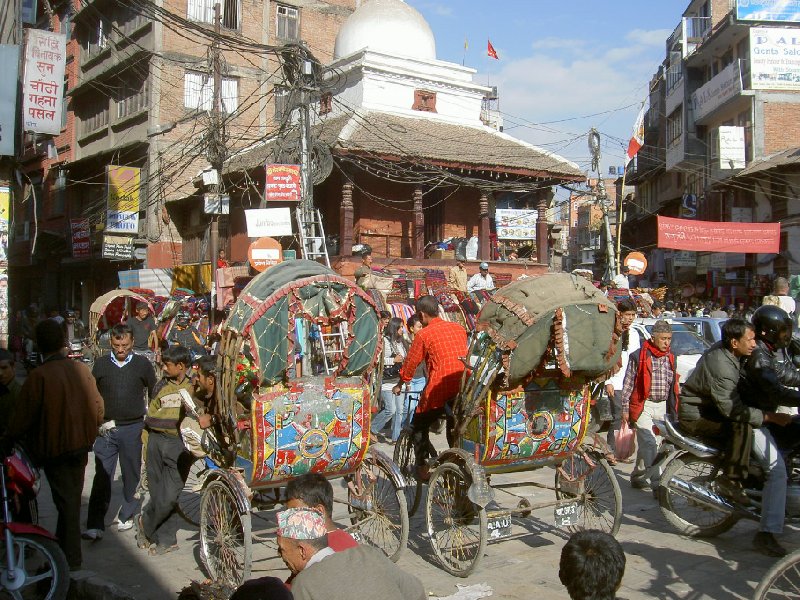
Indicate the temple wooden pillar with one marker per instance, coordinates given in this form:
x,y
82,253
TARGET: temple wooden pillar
x,y
346,221
542,232
418,235
484,229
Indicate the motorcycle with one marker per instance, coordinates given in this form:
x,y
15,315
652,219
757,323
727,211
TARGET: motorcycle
x,y
687,495
32,565
77,351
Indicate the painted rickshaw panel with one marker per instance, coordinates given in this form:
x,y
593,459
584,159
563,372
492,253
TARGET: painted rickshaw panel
x,y
527,428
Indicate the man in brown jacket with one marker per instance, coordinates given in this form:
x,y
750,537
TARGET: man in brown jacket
x,y
57,415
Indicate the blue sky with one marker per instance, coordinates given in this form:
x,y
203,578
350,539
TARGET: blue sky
x,y
560,61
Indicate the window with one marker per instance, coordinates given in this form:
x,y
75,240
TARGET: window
x,y
281,98
130,19
59,194
203,11
287,21
424,101
675,126
133,96
198,92
97,37
93,115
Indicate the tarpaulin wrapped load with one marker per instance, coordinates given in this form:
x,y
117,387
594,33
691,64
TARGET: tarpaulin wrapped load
x,y
558,317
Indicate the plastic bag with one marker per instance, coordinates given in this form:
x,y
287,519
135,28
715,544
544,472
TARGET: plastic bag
x,y
624,442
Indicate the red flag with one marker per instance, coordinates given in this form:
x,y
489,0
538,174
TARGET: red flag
x,y
492,52
637,139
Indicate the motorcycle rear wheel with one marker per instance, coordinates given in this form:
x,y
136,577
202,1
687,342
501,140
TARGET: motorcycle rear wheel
x,y
685,515
44,569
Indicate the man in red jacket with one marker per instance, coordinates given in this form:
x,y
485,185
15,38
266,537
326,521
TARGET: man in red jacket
x,y
443,346
649,391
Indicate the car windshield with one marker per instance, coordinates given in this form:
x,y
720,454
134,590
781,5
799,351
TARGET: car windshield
x,y
684,340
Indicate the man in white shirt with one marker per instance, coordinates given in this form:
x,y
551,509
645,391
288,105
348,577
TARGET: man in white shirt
x,y
481,280
621,281
780,297
630,344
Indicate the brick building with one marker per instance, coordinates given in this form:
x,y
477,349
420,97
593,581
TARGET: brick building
x,y
719,134
140,91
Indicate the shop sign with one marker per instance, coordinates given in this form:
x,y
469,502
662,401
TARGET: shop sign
x,y
703,262
688,206
122,183
81,238
774,58
43,87
117,247
283,183
710,236
268,222
721,88
515,224
718,262
768,10
684,258
731,148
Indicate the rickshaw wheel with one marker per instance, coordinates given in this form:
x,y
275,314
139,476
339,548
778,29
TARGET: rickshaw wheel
x,y
191,494
379,515
782,580
589,479
457,527
404,459
225,540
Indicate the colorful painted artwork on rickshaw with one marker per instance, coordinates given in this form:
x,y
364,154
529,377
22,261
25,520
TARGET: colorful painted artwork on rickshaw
x,y
317,426
539,423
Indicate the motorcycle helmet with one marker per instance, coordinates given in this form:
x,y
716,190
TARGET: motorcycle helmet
x,y
773,325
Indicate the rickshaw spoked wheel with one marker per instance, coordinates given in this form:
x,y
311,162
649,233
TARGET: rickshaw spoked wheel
x,y
587,478
378,511
404,459
225,535
457,527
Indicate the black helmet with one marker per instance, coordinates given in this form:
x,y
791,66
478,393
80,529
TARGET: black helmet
x,y
773,325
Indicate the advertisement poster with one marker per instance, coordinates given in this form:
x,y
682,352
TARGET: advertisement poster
x,y
43,88
5,219
709,236
268,222
774,58
123,184
768,10
514,224
283,183
81,240
117,247
9,63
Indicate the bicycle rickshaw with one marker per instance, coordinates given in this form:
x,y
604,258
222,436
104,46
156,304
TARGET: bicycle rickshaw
x,y
524,404
286,417
108,310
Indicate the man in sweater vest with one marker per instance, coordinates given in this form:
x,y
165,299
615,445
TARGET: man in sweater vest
x,y
124,380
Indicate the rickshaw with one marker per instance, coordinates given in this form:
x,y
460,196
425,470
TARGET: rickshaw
x,y
119,302
524,404
281,412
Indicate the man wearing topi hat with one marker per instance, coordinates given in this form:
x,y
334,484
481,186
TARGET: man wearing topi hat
x,y
481,280
322,574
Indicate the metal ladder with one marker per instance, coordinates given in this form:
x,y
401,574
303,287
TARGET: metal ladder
x,y
332,344
312,235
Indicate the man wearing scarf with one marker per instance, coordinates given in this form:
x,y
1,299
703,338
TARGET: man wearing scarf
x,y
650,390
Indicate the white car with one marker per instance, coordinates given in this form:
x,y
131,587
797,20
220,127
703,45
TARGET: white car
x,y
687,345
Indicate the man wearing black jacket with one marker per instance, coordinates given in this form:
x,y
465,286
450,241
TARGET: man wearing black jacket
x,y
124,379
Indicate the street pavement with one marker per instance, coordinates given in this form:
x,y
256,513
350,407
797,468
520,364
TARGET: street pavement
x,y
660,563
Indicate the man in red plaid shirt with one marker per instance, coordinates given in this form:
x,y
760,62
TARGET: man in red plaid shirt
x,y
442,345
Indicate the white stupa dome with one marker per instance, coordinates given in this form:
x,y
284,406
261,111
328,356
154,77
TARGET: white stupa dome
x,y
389,26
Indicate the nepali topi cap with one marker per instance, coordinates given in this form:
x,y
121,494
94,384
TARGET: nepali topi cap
x,y
301,524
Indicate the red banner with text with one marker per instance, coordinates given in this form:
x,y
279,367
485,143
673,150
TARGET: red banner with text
x,y
81,240
711,236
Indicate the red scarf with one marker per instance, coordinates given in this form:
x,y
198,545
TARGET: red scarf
x,y
644,376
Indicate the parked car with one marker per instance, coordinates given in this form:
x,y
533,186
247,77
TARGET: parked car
x,y
710,329
687,345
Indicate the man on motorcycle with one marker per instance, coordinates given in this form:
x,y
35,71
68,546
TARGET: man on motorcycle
x,y
764,386
712,408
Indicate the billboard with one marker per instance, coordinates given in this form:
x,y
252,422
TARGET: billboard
x,y
9,67
283,183
81,238
43,88
709,236
268,222
774,58
787,11
515,224
123,183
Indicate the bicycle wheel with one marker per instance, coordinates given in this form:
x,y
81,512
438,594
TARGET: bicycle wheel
x,y
225,536
404,459
782,581
591,482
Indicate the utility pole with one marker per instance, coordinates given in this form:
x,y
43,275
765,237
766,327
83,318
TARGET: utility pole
x,y
217,152
602,198
306,186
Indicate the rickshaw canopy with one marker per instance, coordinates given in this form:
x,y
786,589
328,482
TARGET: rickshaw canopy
x,y
558,312
267,309
99,306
